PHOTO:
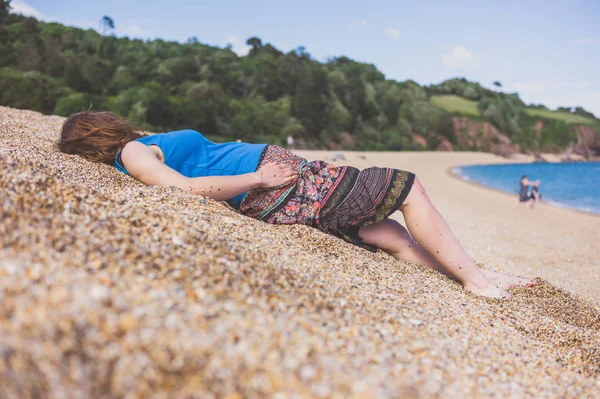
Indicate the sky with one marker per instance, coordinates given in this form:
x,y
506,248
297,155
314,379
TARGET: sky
x,y
547,51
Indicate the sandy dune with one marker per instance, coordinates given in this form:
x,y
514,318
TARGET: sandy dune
x,y
109,288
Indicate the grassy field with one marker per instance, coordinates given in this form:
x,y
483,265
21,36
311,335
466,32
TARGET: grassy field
x,y
456,105
564,116
459,105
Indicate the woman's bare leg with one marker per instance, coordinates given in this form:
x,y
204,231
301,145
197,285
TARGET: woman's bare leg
x,y
392,237
431,232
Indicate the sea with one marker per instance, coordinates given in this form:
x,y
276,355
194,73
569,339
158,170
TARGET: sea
x,y
570,185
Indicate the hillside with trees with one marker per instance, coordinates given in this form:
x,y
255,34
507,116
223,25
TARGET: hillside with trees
x,y
266,95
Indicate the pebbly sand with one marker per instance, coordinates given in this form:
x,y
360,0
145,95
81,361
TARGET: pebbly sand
x,y
109,288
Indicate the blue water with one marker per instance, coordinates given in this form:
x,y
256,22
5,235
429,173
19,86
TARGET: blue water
x,y
571,185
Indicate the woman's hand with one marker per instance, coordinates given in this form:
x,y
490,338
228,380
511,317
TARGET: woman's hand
x,y
275,175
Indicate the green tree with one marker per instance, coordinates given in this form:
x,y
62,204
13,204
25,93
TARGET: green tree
x,y
310,104
4,10
556,134
72,103
29,90
256,45
583,112
107,24
206,102
264,96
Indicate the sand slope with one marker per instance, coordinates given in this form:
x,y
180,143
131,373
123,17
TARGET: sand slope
x,y
560,245
110,288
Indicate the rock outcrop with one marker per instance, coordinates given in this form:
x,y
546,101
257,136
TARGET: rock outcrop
x,y
588,141
482,136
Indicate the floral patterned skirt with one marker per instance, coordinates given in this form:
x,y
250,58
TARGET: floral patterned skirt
x,y
335,199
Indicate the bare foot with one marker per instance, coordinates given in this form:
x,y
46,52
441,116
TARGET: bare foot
x,y
506,281
490,290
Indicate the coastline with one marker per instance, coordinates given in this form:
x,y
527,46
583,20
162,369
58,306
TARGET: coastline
x,y
522,241
450,172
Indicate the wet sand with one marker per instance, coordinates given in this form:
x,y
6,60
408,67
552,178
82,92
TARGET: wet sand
x,y
111,288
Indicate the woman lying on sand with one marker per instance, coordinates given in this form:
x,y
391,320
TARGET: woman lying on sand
x,y
274,185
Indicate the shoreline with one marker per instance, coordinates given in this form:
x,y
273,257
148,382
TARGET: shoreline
x,y
450,172
549,243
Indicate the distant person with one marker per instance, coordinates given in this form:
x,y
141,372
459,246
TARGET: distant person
x,y
524,196
274,185
535,195
290,141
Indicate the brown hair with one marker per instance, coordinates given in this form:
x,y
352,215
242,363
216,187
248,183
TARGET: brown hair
x,y
96,136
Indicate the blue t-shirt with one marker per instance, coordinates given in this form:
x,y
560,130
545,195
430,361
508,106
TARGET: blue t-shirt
x,y
192,155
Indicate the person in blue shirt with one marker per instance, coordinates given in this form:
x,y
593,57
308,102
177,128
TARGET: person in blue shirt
x,y
524,196
274,185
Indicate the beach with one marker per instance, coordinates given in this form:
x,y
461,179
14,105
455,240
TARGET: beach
x,y
559,245
109,288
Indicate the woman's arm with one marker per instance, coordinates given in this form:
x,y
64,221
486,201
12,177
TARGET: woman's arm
x,y
530,183
141,162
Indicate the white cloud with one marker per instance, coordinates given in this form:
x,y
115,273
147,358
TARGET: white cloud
x,y
21,7
135,31
238,45
460,58
358,24
393,33
588,41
